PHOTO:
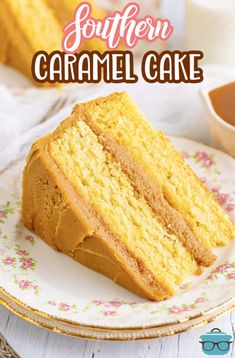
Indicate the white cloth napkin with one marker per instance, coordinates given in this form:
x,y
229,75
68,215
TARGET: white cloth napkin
x,y
175,109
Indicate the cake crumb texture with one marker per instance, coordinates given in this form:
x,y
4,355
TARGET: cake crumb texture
x,y
93,172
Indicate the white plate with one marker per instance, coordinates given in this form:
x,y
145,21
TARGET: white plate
x,y
50,285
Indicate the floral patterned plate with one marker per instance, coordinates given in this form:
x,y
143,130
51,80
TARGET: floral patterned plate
x,y
50,289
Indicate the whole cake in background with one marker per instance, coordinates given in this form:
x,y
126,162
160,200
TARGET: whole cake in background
x,y
109,191
28,26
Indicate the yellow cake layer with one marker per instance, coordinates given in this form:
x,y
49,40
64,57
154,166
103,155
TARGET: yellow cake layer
x,y
4,41
9,53
101,181
118,116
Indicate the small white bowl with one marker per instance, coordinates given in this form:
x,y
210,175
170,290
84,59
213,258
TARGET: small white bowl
x,y
223,133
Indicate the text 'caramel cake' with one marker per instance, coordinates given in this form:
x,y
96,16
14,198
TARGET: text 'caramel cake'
x,y
115,195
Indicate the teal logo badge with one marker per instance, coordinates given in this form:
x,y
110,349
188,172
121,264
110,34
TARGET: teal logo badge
x,y
216,342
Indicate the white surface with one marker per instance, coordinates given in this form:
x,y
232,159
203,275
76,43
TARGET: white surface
x,y
33,342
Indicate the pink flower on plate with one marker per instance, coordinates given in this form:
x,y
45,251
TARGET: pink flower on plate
x,y
9,261
24,284
223,267
231,276
2,214
229,207
115,303
64,307
109,313
52,303
205,159
29,238
207,163
26,263
200,300
174,309
188,308
184,286
203,180
212,277
222,198
21,252
202,155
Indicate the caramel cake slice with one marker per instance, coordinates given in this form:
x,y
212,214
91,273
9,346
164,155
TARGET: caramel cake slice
x,y
10,55
91,194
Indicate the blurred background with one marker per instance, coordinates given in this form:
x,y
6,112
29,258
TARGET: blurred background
x,y
208,25
27,26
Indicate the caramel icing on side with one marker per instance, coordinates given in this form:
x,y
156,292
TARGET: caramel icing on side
x,y
92,252
64,220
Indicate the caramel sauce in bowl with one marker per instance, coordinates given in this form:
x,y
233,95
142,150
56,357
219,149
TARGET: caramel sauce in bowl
x,y
220,104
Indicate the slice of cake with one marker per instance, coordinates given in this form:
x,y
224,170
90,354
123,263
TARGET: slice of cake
x,y
10,55
115,195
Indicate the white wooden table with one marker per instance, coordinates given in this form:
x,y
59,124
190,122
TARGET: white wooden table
x,y
33,342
